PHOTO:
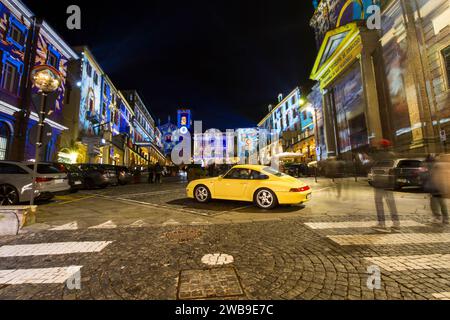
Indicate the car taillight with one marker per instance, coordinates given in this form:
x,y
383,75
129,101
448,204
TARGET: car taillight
x,y
302,189
40,180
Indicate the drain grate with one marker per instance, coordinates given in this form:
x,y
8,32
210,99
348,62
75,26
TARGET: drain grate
x,y
210,283
183,234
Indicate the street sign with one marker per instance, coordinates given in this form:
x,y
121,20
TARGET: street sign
x,y
443,136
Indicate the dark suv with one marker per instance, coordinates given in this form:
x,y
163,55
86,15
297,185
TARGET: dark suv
x,y
75,175
97,176
397,173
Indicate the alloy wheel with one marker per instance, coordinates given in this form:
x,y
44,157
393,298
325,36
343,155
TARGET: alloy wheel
x,y
265,199
8,195
201,194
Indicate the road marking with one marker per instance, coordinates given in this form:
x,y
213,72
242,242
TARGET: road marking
x,y
357,224
323,189
138,224
107,225
38,276
66,227
75,200
391,239
58,248
171,222
442,296
418,262
152,193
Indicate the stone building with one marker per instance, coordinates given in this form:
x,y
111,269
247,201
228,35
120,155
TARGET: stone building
x,y
389,83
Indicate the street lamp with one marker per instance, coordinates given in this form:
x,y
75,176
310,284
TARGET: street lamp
x,y
47,80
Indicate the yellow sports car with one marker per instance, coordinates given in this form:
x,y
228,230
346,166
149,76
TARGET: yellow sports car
x,y
263,185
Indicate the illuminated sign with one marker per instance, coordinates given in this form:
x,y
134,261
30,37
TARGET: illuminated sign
x,y
184,118
334,57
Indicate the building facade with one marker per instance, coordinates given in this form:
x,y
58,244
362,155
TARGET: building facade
x,y
147,136
387,84
27,42
289,127
107,126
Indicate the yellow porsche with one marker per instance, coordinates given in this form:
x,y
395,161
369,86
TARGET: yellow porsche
x,y
263,185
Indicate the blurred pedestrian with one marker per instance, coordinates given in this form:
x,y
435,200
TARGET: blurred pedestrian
x,y
438,185
382,194
151,174
158,173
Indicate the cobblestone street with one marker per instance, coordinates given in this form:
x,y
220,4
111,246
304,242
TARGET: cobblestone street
x,y
149,242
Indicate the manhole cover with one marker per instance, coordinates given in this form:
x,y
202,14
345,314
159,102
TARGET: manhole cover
x,y
183,234
211,283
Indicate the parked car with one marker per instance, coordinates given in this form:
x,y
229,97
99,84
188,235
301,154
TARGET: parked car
x,y
397,173
75,175
97,176
16,179
264,186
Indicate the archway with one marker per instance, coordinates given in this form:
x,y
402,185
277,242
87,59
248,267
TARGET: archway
x,y
5,139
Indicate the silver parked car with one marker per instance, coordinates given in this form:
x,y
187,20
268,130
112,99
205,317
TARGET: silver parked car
x,y
16,182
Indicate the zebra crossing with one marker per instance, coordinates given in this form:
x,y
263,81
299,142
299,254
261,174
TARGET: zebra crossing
x,y
354,234
53,275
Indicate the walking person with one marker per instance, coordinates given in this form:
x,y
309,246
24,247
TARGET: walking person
x,y
437,185
383,194
158,173
151,174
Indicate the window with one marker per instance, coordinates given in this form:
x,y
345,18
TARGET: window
x,y
274,172
446,55
52,60
10,78
88,69
240,174
95,78
17,35
4,140
45,168
255,175
6,168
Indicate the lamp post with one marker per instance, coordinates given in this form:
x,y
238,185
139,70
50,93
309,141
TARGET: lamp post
x,y
47,80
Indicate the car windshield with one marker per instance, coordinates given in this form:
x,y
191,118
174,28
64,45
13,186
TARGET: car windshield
x,y
45,169
385,164
274,172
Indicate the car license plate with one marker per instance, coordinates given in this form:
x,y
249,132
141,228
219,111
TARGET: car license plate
x,y
58,181
77,183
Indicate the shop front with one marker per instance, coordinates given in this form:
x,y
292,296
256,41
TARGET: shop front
x,y
346,72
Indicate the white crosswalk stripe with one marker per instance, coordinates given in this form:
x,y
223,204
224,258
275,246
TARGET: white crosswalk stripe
x,y
442,296
356,224
417,262
107,225
66,227
52,248
38,276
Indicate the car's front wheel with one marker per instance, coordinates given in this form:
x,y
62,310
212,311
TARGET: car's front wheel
x,y
8,195
265,199
202,194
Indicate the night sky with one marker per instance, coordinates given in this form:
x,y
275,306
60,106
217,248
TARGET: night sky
x,y
225,60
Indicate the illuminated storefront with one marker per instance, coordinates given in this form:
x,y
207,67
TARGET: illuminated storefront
x,y
381,84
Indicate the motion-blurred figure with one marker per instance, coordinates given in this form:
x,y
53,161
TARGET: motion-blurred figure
x,y
438,185
380,194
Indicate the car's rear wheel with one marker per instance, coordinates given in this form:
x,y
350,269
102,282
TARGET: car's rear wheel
x,y
202,194
8,195
265,199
